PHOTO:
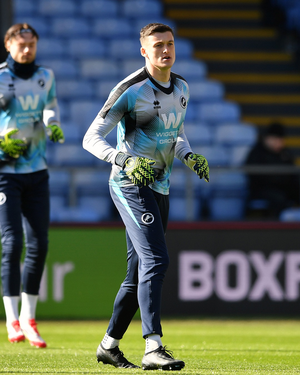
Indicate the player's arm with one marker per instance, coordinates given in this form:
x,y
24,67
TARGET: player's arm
x,y
51,116
196,162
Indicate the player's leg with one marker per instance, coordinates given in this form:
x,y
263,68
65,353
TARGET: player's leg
x,y
35,208
12,244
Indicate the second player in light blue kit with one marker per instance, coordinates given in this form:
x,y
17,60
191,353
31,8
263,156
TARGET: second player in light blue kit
x,y
28,110
149,108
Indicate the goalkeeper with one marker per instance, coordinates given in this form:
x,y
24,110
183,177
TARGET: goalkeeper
x,y
149,108
28,111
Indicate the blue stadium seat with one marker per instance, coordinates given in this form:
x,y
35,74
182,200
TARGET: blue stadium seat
x,y
99,68
236,134
140,8
24,8
101,205
64,110
293,18
198,134
112,28
78,215
57,7
63,68
46,47
59,183
191,113
86,48
57,204
71,88
130,48
99,8
238,155
73,155
103,88
92,183
40,24
190,69
206,90
219,111
228,194
217,156
129,66
73,133
290,215
184,48
70,27
84,112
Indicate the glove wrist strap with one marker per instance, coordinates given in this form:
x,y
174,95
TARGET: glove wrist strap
x,y
121,158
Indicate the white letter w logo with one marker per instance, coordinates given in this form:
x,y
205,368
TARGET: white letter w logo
x,y
29,101
171,120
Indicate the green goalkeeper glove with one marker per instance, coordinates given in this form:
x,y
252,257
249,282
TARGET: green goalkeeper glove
x,y
55,133
198,164
13,147
138,169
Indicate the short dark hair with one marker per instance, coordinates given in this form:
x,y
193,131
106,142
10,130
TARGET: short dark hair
x,y
152,28
18,29
275,129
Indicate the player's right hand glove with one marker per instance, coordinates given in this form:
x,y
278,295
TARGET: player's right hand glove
x,y
55,133
12,147
137,168
198,164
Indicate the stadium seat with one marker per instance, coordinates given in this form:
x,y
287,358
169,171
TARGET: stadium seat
x,y
219,111
206,90
71,88
228,194
217,156
46,47
102,205
290,215
99,8
59,183
84,112
73,133
190,69
112,28
78,215
130,48
138,8
63,68
57,7
129,66
103,88
86,48
238,155
23,8
92,183
69,27
198,134
39,24
73,155
235,134
57,203
184,48
99,68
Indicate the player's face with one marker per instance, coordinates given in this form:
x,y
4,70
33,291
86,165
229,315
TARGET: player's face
x,y
159,51
22,48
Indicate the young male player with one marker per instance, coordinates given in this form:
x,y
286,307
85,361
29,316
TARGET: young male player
x,y
149,107
27,104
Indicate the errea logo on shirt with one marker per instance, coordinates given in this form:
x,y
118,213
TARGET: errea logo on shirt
x,y
29,102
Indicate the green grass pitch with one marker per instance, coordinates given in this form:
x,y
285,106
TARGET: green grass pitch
x,y
206,346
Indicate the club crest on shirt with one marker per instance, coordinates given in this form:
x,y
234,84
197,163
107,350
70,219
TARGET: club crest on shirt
x,y
2,198
147,218
41,82
183,102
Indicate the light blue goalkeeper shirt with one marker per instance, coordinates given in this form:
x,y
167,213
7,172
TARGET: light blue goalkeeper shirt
x,y
150,121
28,105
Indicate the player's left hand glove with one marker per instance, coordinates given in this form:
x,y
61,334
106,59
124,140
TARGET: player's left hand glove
x,y
198,164
137,168
55,133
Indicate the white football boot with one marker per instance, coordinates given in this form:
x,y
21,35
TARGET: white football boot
x,y
32,334
14,331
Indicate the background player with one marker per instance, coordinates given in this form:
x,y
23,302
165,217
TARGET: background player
x,y
27,103
149,107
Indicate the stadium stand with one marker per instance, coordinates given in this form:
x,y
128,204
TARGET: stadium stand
x,y
80,41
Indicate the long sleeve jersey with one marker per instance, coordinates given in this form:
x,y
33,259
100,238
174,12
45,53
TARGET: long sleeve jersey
x,y
28,105
150,120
